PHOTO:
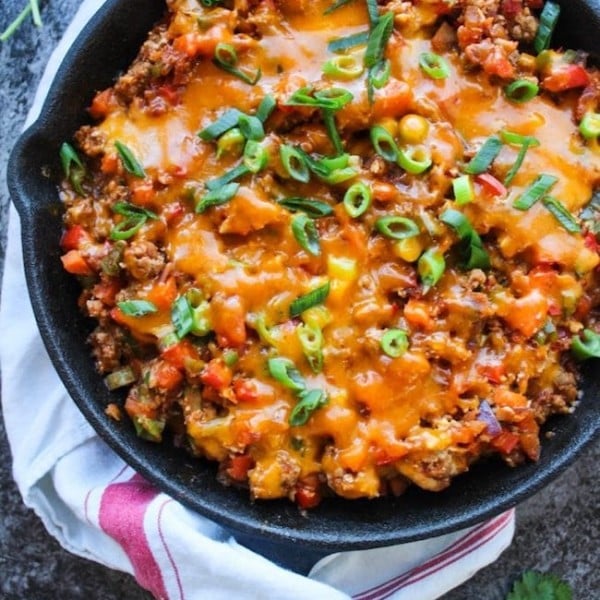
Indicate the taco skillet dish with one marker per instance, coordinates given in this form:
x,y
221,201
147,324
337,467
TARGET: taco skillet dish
x,y
341,247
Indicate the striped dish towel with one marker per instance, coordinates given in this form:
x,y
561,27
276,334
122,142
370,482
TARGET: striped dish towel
x,y
99,508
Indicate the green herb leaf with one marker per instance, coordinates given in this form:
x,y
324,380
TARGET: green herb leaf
x,y
130,162
137,308
540,586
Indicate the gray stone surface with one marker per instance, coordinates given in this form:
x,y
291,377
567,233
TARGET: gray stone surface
x,y
558,529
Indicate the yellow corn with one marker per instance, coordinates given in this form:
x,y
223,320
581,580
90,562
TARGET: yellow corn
x,y
408,249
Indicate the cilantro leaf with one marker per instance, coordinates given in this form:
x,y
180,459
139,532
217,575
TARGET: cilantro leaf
x,y
540,586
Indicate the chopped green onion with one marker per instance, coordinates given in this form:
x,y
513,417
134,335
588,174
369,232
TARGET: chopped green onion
x,y
431,267
35,13
110,264
548,20
266,107
15,24
332,98
414,160
147,428
384,143
251,127
311,340
379,73
521,91
339,176
310,400
485,156
285,372
218,196
226,59
306,234
182,316
517,164
397,228
351,41
373,11
200,307
135,219
227,177
120,378
539,188
394,342
463,190
228,120
137,308
474,254
313,298
129,161
357,199
586,345
510,137
128,210
561,214
313,208
73,168
345,67
255,156
434,65
378,39
590,125
332,132
337,4
294,163
231,142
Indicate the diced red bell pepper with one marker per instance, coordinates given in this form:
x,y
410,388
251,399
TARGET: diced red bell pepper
x,y
107,290
245,390
505,442
491,184
566,77
307,497
168,377
178,353
74,237
511,8
239,467
74,263
216,374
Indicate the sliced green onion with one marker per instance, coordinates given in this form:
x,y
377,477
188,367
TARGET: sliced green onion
x,y
110,264
120,378
266,107
226,59
337,4
135,219
147,428
414,160
294,163
397,228
332,132
306,234
311,340
539,188
35,13
344,67
378,39
474,254
561,214
548,20
485,156
463,190
130,210
394,342
431,267
231,142
379,73
227,177
586,345
200,307
590,125
373,11
15,24
285,372
434,65
225,122
310,400
251,127
129,161
332,98
313,208
216,197
517,164
351,41
182,316
510,137
339,175
357,199
313,298
521,91
384,143
255,156
137,308
73,168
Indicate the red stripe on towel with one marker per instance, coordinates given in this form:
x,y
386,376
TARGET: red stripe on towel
x,y
474,539
122,510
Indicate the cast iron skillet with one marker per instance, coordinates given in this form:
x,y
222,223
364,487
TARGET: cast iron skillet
x,y
275,528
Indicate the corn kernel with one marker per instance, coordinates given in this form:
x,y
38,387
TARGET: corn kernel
x,y
390,125
408,249
413,129
340,267
317,316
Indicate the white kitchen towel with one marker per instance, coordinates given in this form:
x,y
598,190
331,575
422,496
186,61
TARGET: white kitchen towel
x,y
99,508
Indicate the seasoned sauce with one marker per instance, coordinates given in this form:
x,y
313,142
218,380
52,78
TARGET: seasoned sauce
x,y
422,318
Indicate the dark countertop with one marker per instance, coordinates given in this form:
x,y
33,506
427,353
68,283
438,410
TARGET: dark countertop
x,y
558,530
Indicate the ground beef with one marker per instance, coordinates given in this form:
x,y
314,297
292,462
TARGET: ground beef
x,y
143,260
